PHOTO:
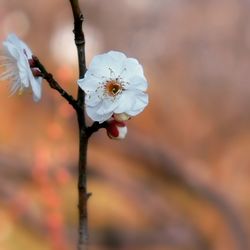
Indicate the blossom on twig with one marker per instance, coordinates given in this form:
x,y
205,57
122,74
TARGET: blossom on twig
x,y
114,85
116,130
16,58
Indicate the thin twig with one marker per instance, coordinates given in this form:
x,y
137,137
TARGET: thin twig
x,y
95,127
54,84
83,195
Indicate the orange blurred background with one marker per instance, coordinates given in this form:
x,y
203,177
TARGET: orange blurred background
x,y
180,180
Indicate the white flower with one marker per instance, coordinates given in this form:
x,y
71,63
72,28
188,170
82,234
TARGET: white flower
x,y
114,84
121,117
15,58
116,130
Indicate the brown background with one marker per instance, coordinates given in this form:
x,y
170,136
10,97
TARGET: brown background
x,y
180,180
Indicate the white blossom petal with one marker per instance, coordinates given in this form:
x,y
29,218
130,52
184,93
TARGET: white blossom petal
x,y
114,84
16,42
132,103
11,49
91,111
6,75
36,85
141,101
137,82
92,89
107,65
15,59
92,100
131,68
126,102
107,106
23,73
88,84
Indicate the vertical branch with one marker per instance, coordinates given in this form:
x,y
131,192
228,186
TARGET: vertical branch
x,y
83,138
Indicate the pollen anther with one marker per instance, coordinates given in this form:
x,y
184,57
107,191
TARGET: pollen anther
x,y
113,88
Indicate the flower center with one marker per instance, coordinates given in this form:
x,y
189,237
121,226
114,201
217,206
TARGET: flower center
x,y
113,87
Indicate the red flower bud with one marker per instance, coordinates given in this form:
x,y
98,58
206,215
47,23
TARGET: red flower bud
x,y
116,130
32,63
36,72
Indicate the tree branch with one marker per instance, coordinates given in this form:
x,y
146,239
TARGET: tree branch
x,y
80,44
54,84
95,127
83,195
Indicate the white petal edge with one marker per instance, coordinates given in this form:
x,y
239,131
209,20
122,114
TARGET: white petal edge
x,y
91,112
138,83
108,64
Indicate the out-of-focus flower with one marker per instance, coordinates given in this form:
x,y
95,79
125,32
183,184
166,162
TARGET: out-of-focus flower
x,y
114,84
116,130
16,58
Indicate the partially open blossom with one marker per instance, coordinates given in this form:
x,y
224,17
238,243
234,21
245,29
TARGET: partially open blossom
x,y
116,130
114,84
16,58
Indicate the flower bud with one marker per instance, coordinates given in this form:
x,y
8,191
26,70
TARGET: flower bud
x,y
116,130
121,117
36,72
32,62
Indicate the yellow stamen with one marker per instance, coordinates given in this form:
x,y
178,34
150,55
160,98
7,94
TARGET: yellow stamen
x,y
113,87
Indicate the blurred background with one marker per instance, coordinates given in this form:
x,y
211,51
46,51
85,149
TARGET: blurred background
x,y
180,180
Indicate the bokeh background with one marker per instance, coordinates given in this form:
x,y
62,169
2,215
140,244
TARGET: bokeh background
x,y
180,180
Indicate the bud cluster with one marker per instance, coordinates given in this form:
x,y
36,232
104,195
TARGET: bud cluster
x,y
116,128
